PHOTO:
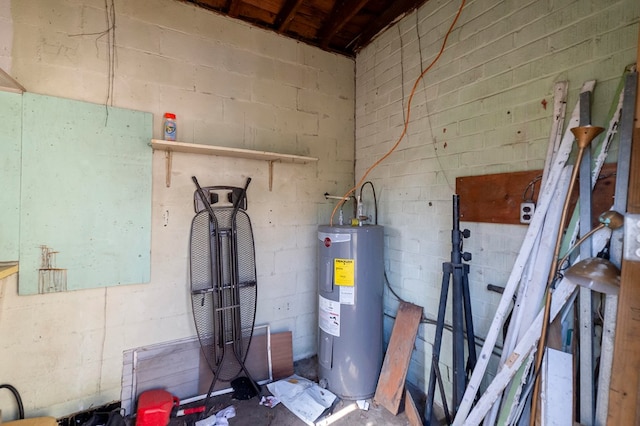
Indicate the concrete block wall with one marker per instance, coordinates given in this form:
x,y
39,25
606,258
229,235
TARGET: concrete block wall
x,y
6,33
478,110
229,84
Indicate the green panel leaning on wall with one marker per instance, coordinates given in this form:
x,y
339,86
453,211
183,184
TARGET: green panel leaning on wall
x,y
84,195
10,145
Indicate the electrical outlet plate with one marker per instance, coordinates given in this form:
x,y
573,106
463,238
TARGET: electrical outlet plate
x,y
632,237
526,211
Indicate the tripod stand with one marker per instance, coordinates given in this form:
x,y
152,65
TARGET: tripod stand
x,y
455,272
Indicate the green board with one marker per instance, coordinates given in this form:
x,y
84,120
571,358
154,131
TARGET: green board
x,y
10,142
85,198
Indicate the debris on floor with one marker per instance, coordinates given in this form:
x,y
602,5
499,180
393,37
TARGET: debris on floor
x,y
302,397
269,401
220,418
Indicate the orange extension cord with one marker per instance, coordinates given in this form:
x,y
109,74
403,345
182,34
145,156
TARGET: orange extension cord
x,y
406,121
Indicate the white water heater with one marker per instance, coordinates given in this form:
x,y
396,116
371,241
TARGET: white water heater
x,y
350,286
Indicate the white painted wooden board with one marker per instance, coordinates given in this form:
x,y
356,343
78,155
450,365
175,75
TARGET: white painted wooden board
x,y
516,273
557,388
521,353
533,268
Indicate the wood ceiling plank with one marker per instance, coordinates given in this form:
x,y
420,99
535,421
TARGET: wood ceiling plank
x,y
332,25
271,6
342,13
395,10
287,14
234,8
257,15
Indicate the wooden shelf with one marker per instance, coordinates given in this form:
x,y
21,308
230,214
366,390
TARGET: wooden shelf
x,y
170,147
8,268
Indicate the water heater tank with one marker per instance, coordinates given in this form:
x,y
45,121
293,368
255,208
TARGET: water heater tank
x,y
350,285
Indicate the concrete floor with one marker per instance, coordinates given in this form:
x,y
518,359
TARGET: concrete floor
x,y
344,413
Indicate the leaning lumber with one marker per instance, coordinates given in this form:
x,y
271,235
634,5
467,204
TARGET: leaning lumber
x,y
535,226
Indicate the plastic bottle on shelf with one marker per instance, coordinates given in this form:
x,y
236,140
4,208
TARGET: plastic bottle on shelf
x,y
170,127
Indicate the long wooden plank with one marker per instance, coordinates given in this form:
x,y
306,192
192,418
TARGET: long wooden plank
x,y
619,205
516,273
396,360
8,268
557,382
531,292
625,377
520,354
555,137
585,299
411,410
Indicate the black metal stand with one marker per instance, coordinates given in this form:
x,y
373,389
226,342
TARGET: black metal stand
x,y
456,272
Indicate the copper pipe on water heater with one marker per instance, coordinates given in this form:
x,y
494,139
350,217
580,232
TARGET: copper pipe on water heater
x,y
584,136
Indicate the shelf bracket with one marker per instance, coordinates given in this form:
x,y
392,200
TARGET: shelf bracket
x,y
168,156
271,174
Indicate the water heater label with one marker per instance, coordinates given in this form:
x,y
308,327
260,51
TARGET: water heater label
x,y
347,295
329,316
344,271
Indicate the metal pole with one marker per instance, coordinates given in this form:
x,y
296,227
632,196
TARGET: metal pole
x,y
459,373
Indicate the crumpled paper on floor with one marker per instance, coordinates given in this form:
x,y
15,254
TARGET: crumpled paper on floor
x,y
269,401
220,418
302,397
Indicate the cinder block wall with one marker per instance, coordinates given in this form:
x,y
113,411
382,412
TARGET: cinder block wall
x,y
6,35
478,110
230,85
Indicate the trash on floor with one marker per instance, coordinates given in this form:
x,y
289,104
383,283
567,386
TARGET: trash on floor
x,y
220,418
269,401
302,397
363,404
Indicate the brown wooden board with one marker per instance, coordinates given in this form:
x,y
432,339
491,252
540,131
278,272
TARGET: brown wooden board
x,y
624,404
257,363
282,355
396,361
496,198
411,410
624,392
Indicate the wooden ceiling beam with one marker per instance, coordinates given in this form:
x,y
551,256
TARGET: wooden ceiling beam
x,y
342,12
234,8
286,15
397,9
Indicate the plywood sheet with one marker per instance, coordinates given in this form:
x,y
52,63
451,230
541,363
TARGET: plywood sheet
x,y
282,355
10,152
85,201
257,363
180,368
173,366
396,361
496,198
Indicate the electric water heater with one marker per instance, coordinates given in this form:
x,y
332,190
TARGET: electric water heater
x,y
350,285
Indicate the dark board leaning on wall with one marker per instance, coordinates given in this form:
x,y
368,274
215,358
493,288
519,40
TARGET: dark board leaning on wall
x,y
85,197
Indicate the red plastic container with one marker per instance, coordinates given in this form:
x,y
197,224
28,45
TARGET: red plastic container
x,y
154,408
